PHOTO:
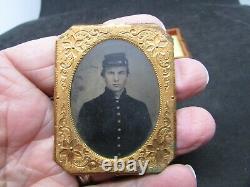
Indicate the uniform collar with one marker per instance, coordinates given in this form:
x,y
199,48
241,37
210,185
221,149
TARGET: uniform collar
x,y
110,94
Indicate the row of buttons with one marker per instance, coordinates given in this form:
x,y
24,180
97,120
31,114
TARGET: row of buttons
x,y
118,129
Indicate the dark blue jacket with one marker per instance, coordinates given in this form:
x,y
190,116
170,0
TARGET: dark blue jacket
x,y
114,127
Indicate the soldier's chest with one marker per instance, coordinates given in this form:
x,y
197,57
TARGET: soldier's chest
x,y
116,116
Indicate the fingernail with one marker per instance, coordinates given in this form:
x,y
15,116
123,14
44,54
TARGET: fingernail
x,y
110,22
191,168
207,76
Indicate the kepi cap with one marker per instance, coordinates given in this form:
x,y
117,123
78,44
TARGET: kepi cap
x,y
115,59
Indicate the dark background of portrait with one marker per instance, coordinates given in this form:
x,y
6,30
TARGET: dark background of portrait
x,y
141,83
217,34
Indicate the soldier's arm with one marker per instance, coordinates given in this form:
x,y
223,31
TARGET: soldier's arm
x,y
147,124
85,121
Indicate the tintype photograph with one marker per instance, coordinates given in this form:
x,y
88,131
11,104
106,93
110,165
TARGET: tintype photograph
x,y
115,98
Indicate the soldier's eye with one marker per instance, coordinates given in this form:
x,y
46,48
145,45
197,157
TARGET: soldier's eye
x,y
110,72
122,72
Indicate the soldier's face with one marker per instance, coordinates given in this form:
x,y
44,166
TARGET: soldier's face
x,y
115,78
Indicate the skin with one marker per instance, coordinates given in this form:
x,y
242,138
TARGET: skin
x,y
116,78
26,118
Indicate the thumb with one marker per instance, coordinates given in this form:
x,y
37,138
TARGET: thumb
x,y
140,18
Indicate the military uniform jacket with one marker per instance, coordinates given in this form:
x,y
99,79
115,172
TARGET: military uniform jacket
x,y
114,127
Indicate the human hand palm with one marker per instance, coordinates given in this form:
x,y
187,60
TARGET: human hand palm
x,y
27,133
26,118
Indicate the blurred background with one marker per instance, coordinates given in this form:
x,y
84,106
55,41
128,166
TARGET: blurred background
x,y
217,33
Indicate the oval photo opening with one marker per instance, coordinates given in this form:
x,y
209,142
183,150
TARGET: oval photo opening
x,y
115,98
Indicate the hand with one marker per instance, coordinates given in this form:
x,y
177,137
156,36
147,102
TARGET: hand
x,y
26,118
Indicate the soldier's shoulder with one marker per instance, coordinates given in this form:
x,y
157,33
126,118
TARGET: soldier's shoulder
x,y
89,107
135,102
92,102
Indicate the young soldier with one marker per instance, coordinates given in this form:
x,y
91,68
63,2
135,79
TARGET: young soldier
x,y
114,123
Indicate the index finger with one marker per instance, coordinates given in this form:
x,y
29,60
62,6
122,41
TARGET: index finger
x,y
36,61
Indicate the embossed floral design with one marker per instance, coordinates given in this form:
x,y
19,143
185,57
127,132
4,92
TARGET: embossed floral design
x,y
164,136
73,46
90,162
157,45
63,133
70,150
158,150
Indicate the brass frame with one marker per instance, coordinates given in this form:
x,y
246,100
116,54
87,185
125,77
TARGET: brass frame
x,y
70,150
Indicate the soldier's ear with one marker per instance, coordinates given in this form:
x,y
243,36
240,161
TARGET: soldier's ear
x,y
102,73
127,71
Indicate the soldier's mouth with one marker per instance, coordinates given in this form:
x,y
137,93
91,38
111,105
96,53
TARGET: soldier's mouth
x,y
116,85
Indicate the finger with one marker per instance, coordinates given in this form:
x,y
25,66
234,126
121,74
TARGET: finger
x,y
36,61
195,127
172,176
19,98
191,77
140,18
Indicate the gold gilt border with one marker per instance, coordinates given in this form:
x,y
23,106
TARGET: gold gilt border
x,y
70,150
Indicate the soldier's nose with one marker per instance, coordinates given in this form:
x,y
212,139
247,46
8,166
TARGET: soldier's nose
x,y
116,78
